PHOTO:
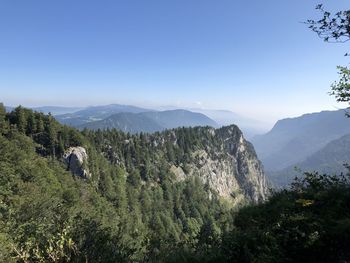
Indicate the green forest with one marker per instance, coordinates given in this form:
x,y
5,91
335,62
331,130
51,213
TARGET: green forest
x,y
132,208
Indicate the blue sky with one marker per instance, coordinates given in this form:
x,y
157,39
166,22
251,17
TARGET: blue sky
x,y
252,57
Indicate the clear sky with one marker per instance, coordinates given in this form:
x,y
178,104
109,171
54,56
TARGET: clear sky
x,y
252,57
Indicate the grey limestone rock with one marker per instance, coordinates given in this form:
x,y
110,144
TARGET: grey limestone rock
x,y
76,159
232,169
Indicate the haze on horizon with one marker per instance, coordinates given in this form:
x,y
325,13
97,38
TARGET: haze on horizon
x,y
251,57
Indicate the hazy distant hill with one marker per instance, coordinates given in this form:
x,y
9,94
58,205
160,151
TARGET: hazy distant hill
x,y
226,117
78,117
96,113
250,127
330,159
292,140
126,122
177,118
151,121
54,110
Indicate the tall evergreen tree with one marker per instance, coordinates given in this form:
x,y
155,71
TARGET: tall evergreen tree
x,y
3,122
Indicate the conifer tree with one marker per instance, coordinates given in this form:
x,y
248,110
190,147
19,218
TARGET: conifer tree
x,y
3,122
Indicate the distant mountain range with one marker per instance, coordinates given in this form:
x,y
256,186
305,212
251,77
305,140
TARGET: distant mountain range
x,y
249,127
79,117
317,141
330,159
54,110
96,113
133,119
312,141
151,121
292,140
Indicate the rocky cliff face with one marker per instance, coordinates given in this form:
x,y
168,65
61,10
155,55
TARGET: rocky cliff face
x,y
230,168
76,160
221,158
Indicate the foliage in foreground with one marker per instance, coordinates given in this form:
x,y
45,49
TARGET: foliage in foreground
x,y
308,223
335,28
132,209
135,211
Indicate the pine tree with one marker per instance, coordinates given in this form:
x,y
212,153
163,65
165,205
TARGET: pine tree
x,y
3,122
52,135
31,126
20,119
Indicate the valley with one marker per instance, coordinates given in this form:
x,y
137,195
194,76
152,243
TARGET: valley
x,y
174,131
167,195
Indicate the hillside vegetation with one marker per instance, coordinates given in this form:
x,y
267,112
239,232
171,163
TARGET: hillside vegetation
x,y
134,209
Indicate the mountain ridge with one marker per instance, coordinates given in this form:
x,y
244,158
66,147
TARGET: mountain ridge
x,y
76,116
150,121
292,140
331,159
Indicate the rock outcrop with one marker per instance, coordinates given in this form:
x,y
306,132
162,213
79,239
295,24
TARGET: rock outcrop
x,y
231,167
76,159
221,158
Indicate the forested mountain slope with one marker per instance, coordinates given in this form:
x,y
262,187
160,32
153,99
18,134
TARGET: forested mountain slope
x,y
125,122
221,158
331,159
150,121
144,194
292,140
70,196
94,113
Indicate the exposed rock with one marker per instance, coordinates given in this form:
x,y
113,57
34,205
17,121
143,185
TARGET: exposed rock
x,y
221,158
179,173
76,160
232,168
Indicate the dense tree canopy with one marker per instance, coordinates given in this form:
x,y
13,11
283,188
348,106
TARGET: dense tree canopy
x,y
134,210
